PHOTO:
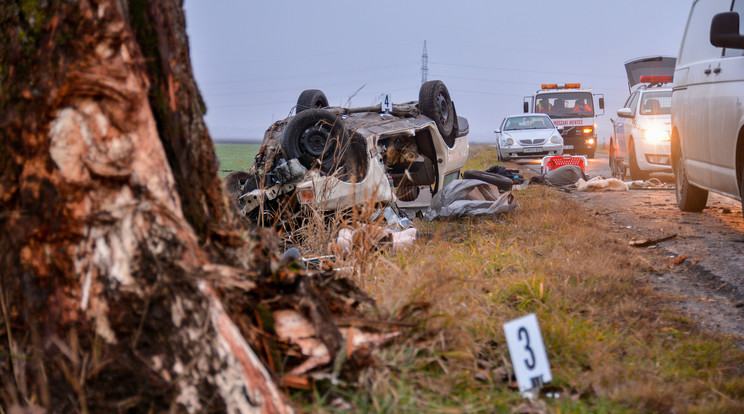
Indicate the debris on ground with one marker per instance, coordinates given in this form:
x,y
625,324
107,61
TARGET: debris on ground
x,y
651,242
468,198
565,176
599,184
650,184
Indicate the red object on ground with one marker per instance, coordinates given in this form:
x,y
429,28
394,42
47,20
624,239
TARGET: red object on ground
x,y
555,161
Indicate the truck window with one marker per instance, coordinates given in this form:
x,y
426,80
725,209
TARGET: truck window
x,y
696,41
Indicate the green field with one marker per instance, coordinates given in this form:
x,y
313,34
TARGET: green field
x,y
235,156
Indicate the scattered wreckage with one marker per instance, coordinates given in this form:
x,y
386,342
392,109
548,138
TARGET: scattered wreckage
x,y
335,158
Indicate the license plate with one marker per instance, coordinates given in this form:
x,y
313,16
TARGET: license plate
x,y
533,149
568,147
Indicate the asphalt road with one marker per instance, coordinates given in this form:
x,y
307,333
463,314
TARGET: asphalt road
x,y
701,266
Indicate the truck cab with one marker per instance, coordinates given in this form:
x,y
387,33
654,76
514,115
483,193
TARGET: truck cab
x,y
572,108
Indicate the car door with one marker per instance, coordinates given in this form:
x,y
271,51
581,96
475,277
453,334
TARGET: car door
x,y
623,126
691,94
725,114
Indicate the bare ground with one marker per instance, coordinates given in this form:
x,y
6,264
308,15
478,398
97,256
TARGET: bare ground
x,y
701,267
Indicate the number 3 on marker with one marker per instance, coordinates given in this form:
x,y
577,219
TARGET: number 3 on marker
x,y
527,350
529,362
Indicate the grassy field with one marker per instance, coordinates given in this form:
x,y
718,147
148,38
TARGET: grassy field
x,y
614,344
235,156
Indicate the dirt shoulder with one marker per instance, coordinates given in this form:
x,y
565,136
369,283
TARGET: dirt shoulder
x,y
701,267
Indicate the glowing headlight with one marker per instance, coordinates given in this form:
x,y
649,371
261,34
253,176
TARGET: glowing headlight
x,y
556,139
656,134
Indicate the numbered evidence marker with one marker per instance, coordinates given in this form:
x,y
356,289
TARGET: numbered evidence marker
x,y
387,104
527,352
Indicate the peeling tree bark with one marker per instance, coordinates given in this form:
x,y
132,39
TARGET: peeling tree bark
x,y
116,238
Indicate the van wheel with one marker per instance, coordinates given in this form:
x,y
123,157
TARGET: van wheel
x,y
434,102
689,197
635,171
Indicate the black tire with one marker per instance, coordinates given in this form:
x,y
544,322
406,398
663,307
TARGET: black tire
x,y
503,183
689,197
635,171
311,99
317,134
590,155
434,102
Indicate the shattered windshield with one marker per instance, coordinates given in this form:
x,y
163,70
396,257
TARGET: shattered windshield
x,y
528,122
566,104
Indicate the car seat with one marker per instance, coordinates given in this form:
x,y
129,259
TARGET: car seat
x,y
651,106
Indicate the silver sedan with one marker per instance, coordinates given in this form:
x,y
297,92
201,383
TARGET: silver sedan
x,y
528,136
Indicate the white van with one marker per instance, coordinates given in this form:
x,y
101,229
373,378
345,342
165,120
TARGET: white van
x,y
708,105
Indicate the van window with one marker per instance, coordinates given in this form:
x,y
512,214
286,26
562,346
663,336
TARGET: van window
x,y
737,7
696,42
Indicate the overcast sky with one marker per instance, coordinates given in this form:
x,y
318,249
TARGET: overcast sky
x,y
252,59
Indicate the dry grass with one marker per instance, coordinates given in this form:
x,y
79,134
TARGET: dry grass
x,y
614,345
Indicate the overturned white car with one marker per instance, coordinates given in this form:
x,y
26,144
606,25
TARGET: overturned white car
x,y
334,158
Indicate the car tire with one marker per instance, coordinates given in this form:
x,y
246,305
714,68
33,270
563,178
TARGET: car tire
x,y
689,197
590,155
503,183
434,102
311,99
635,172
317,134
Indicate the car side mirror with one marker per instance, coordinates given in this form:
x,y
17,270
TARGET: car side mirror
x,y
724,31
497,131
526,106
601,103
560,128
625,113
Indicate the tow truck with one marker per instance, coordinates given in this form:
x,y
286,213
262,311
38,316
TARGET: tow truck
x,y
572,108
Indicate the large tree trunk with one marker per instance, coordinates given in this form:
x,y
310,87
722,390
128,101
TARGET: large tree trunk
x,y
117,243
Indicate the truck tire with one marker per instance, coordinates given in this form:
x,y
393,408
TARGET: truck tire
x,y
503,183
635,172
689,197
317,134
311,98
434,102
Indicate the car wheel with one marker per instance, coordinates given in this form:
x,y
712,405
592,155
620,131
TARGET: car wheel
x,y
311,98
503,183
635,171
689,197
590,155
434,102
317,134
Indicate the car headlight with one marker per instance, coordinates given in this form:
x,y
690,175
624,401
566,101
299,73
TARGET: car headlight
x,y
508,141
556,139
656,134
